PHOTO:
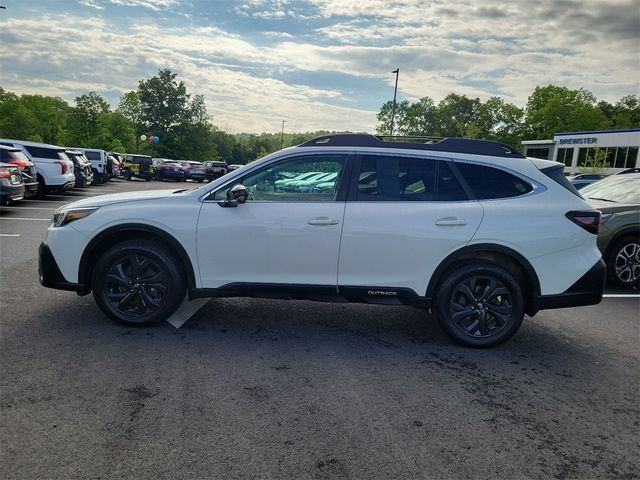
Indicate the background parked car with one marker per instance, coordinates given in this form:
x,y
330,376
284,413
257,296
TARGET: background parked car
x,y
618,198
166,169
99,161
233,166
54,169
215,169
140,166
14,156
194,170
580,181
82,168
11,184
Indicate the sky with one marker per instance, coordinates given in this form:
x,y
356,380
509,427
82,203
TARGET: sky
x,y
319,64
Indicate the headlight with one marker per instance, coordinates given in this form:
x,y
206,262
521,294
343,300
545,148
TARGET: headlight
x,y
64,217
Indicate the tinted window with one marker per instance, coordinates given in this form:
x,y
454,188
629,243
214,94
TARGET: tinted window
x,y
488,182
42,152
388,178
92,155
313,178
448,188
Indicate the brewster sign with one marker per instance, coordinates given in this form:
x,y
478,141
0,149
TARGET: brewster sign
x,y
578,140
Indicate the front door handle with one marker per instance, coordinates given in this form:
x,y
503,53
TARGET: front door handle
x,y
322,221
450,222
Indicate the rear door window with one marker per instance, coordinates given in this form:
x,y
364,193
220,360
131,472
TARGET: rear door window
x,y
393,178
491,183
42,152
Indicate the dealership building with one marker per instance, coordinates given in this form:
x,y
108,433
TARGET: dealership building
x,y
576,149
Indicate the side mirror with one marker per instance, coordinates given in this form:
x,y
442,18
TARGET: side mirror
x,y
238,193
235,196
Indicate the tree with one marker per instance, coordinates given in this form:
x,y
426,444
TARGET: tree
x,y
627,113
384,116
131,108
420,118
51,115
554,109
16,120
455,112
84,119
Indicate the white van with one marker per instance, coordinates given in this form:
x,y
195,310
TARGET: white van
x,y
55,169
98,159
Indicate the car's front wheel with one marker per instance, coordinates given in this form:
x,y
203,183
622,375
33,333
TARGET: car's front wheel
x,y
138,283
480,305
623,262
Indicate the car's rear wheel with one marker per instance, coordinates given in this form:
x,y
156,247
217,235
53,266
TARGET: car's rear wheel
x,y
623,262
480,305
138,283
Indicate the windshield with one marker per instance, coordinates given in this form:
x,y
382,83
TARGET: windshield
x,y
617,188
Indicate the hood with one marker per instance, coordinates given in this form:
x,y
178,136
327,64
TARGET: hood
x,y
612,207
102,200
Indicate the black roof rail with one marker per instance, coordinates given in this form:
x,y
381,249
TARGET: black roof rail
x,y
446,144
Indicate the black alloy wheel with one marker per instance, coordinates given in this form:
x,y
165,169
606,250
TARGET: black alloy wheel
x,y
479,304
623,262
138,282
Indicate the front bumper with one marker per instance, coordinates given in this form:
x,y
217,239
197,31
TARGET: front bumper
x,y
49,273
588,290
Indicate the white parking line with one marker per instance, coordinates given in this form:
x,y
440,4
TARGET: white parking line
x,y
621,295
9,234
22,218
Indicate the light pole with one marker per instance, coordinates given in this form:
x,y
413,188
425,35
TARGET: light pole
x,y
282,135
395,91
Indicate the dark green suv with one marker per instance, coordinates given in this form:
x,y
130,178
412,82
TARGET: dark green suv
x,y
618,198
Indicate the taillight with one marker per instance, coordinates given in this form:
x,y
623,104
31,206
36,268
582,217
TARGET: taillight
x,y
590,221
5,173
63,167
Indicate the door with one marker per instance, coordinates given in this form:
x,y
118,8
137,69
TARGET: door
x,y
279,236
403,216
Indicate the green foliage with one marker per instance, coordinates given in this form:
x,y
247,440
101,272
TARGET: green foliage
x,y
596,161
549,110
554,109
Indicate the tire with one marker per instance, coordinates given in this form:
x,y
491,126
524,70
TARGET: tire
x,y
127,175
501,310
623,262
42,189
158,292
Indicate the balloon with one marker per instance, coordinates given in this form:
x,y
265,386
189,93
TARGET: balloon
x,y
156,139
150,139
143,138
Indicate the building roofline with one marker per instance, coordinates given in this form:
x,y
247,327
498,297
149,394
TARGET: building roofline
x,y
538,142
597,131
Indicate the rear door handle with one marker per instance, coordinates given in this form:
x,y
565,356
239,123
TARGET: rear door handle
x,y
322,221
450,222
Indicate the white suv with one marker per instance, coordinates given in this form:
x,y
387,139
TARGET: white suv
x,y
470,229
55,169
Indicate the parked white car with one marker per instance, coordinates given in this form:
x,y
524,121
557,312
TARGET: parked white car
x,y
54,168
470,229
98,159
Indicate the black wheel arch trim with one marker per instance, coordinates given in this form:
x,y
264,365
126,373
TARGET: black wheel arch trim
x,y
618,235
473,250
84,270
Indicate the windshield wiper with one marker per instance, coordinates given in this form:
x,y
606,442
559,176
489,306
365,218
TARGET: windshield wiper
x,y
603,199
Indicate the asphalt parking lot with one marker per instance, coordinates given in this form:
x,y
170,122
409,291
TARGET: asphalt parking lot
x,y
252,388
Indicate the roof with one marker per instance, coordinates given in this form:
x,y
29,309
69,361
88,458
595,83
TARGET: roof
x,y
597,132
448,144
31,144
11,149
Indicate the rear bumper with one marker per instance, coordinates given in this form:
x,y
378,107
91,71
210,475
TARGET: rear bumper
x,y
587,290
31,189
12,192
49,273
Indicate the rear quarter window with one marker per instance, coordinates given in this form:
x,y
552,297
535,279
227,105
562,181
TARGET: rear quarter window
x,y
42,152
92,155
491,183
